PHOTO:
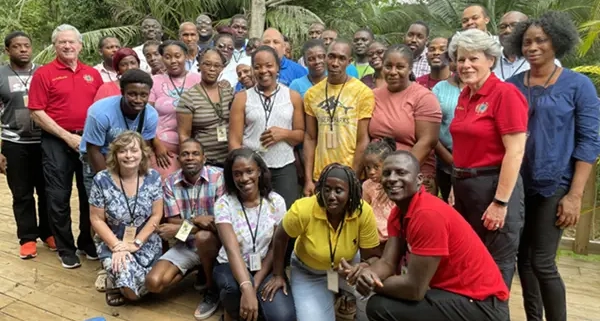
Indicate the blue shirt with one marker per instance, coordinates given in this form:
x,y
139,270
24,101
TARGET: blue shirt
x,y
289,71
301,85
105,121
447,94
563,127
352,71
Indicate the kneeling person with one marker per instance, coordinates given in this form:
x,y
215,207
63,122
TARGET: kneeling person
x,y
450,276
189,198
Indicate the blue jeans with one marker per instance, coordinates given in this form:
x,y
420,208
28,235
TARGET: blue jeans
x,y
314,302
280,309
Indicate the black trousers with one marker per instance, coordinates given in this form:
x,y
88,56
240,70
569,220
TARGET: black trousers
x,y
285,183
472,196
543,287
438,305
24,175
444,183
60,163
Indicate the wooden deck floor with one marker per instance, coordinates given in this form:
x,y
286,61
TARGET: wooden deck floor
x,y
40,289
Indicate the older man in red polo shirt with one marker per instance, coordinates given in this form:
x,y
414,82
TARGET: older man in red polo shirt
x,y
450,275
60,94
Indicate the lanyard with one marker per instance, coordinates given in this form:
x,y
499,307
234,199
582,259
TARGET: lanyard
x,y
514,72
332,250
364,67
142,115
239,55
137,188
329,108
179,92
253,235
26,82
193,206
216,107
532,105
267,103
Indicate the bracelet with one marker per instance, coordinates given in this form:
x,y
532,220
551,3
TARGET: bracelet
x,y
243,283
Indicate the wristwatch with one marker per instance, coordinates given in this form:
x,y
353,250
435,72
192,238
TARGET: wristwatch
x,y
499,202
138,243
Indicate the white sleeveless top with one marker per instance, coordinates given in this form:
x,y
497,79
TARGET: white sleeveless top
x,y
282,113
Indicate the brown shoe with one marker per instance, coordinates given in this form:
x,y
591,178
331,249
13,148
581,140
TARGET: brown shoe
x,y
345,306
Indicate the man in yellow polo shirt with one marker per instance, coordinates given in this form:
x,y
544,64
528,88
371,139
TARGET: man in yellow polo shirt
x,y
333,224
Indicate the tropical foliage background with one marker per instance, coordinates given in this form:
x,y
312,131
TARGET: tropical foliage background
x,y
387,18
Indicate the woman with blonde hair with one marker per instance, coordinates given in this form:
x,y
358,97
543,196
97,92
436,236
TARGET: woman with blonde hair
x,y
125,206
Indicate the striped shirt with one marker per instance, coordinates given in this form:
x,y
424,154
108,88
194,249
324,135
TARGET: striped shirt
x,y
207,118
187,200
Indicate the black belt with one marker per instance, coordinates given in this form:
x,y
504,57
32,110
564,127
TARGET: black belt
x,y
474,172
76,132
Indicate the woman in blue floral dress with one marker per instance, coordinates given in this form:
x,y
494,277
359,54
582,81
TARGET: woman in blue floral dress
x,y
126,205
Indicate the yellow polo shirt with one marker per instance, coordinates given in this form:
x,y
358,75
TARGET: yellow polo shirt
x,y
307,222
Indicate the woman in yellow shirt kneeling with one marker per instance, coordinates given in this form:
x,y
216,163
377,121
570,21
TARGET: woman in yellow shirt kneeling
x,y
328,226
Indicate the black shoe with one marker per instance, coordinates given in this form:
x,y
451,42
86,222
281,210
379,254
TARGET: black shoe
x,y
70,261
89,251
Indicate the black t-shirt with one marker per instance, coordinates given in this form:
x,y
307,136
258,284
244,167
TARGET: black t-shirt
x,y
17,125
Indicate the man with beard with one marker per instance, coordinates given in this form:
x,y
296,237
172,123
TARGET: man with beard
x,y
239,25
21,147
337,111
60,95
151,30
362,40
416,39
205,32
450,274
436,58
189,198
107,47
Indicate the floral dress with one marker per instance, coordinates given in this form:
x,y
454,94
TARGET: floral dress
x,y
106,194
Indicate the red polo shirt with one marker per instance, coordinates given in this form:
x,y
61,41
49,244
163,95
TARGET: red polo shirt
x,y
65,95
434,228
497,108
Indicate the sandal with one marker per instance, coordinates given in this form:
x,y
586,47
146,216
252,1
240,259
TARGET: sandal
x,y
114,297
100,283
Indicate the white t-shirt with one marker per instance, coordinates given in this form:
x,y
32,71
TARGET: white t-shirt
x,y
228,210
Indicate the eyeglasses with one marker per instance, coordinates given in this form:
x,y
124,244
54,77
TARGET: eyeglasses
x,y
223,46
209,66
504,26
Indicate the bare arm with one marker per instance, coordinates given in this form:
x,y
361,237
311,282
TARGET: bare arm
x,y
580,177
414,284
236,262
442,152
362,140
310,144
49,125
95,157
184,126
427,136
280,242
98,222
237,118
387,264
514,145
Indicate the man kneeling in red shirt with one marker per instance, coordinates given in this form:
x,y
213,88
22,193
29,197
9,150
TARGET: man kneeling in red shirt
x,y
450,276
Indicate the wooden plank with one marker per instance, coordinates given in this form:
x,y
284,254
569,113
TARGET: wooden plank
x,y
5,300
6,317
24,311
584,227
67,309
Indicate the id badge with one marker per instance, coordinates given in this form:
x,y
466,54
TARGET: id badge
x,y
129,236
26,100
184,231
255,262
222,133
333,280
330,140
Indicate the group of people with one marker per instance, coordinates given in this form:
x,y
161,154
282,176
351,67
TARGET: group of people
x,y
308,190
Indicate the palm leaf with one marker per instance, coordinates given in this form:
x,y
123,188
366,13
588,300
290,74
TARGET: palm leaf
x,y
292,21
90,41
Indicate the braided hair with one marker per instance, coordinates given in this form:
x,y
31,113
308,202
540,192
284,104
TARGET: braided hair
x,y
381,147
355,188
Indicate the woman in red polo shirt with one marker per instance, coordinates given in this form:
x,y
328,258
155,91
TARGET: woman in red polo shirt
x,y
488,137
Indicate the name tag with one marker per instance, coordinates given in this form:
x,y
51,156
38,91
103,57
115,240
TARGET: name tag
x,y
184,231
222,133
333,280
129,235
255,262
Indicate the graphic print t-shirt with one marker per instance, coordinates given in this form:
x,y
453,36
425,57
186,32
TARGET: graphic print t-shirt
x,y
17,126
356,102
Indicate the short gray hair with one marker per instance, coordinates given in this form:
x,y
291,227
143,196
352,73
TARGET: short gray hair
x,y
474,40
66,27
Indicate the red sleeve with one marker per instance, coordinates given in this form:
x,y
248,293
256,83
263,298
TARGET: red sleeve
x,y
97,78
422,80
511,112
427,234
38,91
393,225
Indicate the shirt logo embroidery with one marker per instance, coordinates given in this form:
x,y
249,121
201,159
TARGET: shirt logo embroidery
x,y
481,108
88,78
